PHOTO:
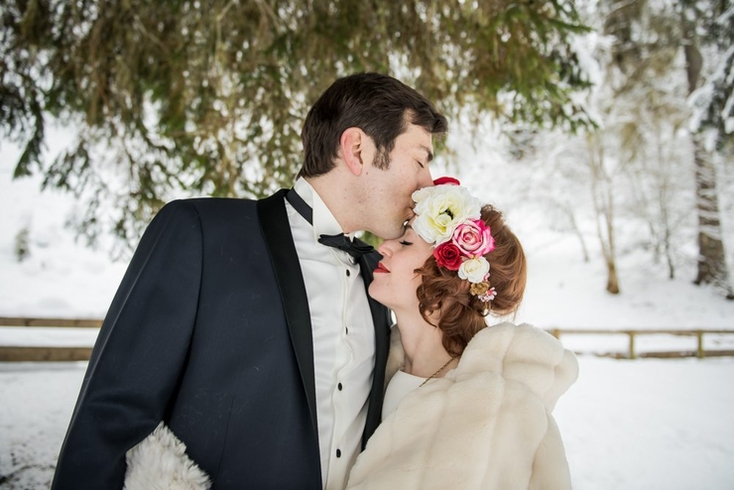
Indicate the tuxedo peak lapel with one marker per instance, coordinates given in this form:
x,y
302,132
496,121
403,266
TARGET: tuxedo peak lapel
x,y
277,232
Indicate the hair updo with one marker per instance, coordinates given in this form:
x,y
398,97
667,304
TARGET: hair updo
x,y
461,314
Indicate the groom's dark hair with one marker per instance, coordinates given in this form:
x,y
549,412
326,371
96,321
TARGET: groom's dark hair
x,y
379,105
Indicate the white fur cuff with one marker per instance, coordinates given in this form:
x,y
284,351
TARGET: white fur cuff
x,y
160,462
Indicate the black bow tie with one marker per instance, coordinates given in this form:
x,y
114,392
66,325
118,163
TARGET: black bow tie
x,y
340,241
343,242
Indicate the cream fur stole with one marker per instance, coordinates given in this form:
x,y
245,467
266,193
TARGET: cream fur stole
x,y
160,462
486,424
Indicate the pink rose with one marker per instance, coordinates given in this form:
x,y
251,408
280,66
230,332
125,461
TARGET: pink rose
x,y
448,256
473,238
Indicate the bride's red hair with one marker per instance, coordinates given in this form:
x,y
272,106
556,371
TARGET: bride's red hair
x,y
461,314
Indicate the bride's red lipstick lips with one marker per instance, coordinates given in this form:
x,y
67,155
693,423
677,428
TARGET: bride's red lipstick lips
x,y
381,268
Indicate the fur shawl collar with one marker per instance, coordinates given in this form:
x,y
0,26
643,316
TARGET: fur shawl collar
x,y
486,424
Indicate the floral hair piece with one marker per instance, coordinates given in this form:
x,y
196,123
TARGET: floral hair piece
x,y
448,217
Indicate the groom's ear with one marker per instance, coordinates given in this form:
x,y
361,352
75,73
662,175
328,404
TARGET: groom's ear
x,y
355,146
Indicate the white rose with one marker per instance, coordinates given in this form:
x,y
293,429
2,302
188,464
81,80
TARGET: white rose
x,y
474,269
440,208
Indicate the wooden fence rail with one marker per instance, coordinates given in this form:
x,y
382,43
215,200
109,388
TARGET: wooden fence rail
x,y
79,353
632,335
50,322
31,353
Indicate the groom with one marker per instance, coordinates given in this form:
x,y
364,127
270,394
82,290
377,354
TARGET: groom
x,y
244,326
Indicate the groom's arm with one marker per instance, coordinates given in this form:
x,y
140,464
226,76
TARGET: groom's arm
x,y
137,359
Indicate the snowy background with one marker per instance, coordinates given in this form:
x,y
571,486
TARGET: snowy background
x,y
642,424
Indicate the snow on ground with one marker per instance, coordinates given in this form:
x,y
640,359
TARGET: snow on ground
x,y
650,424
643,424
37,402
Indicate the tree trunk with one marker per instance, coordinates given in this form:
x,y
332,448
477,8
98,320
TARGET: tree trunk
x,y
569,212
610,253
602,193
612,278
712,267
582,242
663,181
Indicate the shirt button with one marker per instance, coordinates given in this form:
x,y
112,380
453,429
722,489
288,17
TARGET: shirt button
x,y
339,386
346,329
348,273
338,453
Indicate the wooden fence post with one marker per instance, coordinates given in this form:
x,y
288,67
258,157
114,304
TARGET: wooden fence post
x,y
633,355
699,335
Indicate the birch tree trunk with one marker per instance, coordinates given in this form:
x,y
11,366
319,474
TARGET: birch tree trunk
x,y
603,198
712,268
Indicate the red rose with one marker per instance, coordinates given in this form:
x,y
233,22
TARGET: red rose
x,y
446,180
448,256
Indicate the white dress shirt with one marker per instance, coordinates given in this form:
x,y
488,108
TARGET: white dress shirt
x,y
343,338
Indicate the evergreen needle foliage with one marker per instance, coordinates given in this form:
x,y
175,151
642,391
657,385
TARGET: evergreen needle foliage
x,y
187,97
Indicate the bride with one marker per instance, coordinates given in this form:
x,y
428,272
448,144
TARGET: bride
x,y
469,405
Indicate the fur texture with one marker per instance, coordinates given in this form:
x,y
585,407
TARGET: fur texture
x,y
485,425
160,462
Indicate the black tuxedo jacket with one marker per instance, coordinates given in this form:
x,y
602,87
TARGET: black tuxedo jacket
x,y
210,332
